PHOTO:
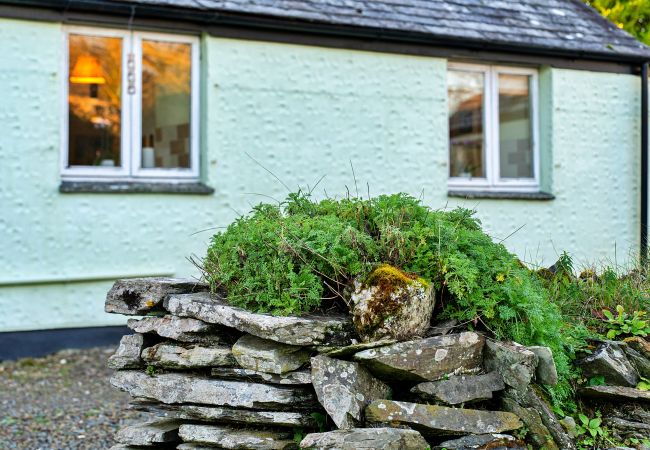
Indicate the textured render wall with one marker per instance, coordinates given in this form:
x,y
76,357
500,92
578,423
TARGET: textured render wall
x,y
591,155
71,245
302,112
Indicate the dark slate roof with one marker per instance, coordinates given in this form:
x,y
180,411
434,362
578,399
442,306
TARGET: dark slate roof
x,y
567,26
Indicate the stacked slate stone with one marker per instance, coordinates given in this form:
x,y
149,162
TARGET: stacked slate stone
x,y
617,367
216,376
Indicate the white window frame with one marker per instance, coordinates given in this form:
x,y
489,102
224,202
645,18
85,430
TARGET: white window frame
x,y
492,180
131,113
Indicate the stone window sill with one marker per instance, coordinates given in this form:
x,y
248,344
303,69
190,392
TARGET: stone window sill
x,y
133,187
506,195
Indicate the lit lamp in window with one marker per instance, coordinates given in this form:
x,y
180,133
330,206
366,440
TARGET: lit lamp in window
x,y
88,71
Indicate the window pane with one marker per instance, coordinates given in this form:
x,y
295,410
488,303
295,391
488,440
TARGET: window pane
x,y
515,131
466,143
94,90
166,103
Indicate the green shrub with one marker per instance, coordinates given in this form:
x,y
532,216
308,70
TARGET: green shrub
x,y
285,258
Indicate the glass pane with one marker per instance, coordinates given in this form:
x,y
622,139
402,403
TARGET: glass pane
x,y
94,104
515,131
166,103
466,143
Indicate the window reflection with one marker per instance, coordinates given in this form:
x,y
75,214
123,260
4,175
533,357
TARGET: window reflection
x,y
515,136
465,95
166,104
94,88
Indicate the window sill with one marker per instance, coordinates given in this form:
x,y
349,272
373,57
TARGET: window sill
x,y
133,187
506,195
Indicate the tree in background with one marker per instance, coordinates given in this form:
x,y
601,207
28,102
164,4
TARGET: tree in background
x,y
631,15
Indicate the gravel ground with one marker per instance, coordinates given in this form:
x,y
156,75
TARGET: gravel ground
x,y
62,401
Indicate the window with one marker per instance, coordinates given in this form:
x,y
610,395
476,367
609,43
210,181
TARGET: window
x,y
492,128
132,106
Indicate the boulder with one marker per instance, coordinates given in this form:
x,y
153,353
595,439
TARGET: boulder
x,y
426,359
440,420
460,388
188,356
263,355
185,388
127,355
538,433
235,438
483,442
570,426
615,393
344,389
609,360
513,361
546,372
243,417
365,439
311,329
391,304
296,378
138,296
149,433
181,329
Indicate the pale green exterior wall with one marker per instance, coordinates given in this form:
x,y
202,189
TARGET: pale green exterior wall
x,y
302,112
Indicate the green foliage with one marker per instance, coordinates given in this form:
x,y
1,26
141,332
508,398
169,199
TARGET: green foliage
x,y
644,384
151,371
287,258
624,324
631,15
598,380
321,421
590,432
298,435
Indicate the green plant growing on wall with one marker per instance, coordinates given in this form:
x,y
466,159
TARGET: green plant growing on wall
x,y
297,256
625,324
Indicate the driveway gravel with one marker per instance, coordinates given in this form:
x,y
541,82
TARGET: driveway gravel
x,y
62,401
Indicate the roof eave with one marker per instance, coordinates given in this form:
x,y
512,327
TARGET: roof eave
x,y
274,23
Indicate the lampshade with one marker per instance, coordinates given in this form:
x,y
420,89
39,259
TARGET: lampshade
x,y
87,71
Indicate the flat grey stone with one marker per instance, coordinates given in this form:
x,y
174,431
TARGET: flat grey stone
x,y
184,388
483,442
513,361
403,313
620,393
440,420
537,433
312,329
187,356
138,296
638,361
263,355
148,433
296,378
227,415
127,355
426,359
234,438
609,360
629,428
183,329
460,388
344,389
529,400
546,372
348,350
365,439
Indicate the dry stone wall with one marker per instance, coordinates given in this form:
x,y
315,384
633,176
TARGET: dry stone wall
x,y
216,376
